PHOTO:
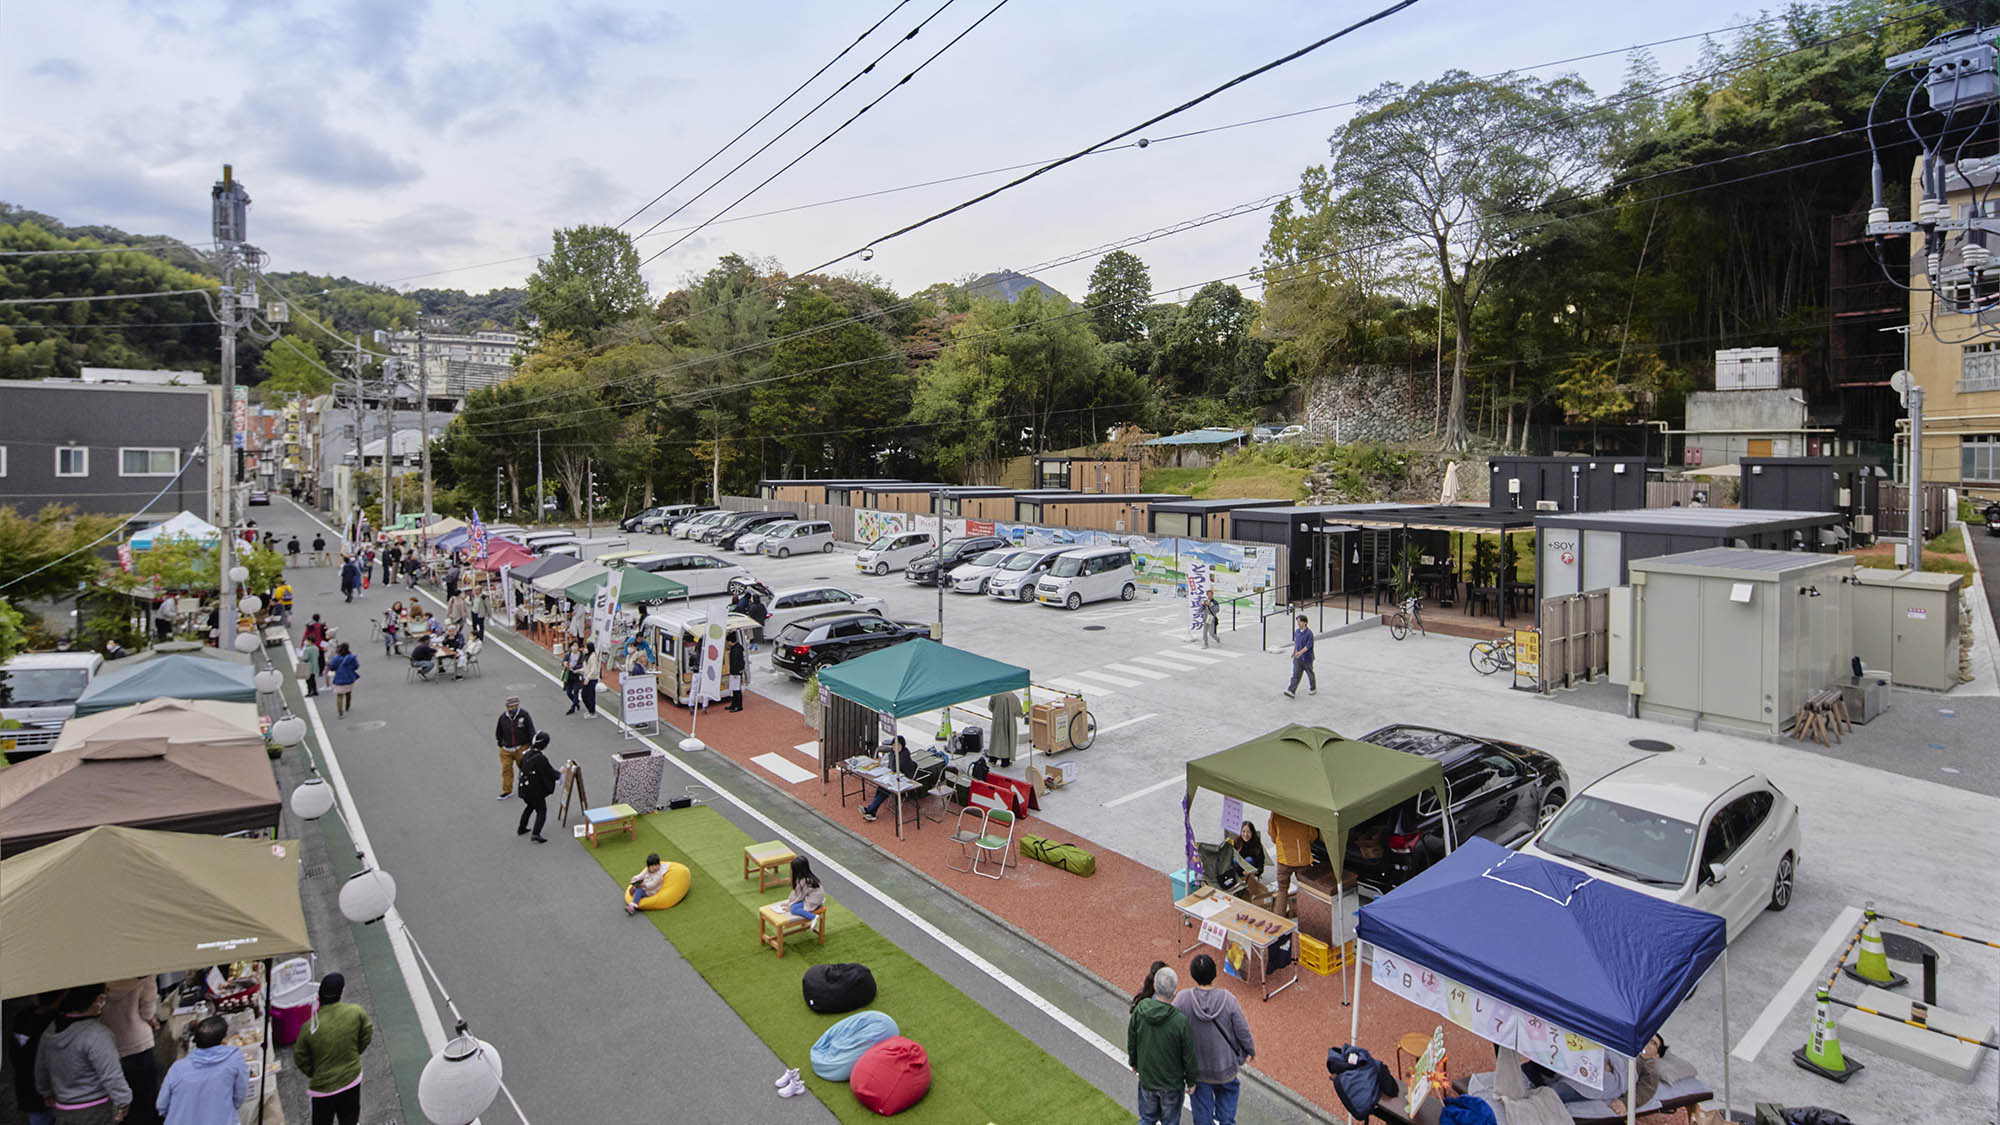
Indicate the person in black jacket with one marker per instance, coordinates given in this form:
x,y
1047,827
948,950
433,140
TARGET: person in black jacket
x,y
513,733
538,780
905,764
734,664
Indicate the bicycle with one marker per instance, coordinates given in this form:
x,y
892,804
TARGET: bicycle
x,y
1489,657
1410,613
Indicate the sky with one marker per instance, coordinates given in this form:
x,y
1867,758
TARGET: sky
x,y
438,142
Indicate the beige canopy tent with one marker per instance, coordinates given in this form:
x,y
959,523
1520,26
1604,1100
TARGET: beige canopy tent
x,y
164,722
113,903
432,531
217,789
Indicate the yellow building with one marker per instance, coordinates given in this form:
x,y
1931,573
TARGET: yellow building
x,y
1955,349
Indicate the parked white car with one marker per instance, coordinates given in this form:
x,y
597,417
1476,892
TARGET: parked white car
x,y
1015,579
1716,838
798,602
1088,574
748,542
703,575
699,522
804,537
971,576
892,552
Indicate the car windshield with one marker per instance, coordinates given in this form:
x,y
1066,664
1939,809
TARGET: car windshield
x,y
990,558
1067,566
42,687
1640,845
1022,561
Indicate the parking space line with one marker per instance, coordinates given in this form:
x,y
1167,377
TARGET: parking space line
x,y
1808,971
1147,791
786,771
1114,681
1128,723
1146,673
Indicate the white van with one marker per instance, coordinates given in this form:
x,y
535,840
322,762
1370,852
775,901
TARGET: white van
x,y
598,548
694,525
801,538
1088,574
1015,579
545,542
892,552
41,689
703,575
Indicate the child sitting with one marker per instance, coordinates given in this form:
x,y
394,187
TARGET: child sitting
x,y
806,897
645,884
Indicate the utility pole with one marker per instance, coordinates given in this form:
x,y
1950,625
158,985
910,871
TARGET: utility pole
x,y
360,457
1916,476
388,444
589,498
538,476
424,416
229,214
940,500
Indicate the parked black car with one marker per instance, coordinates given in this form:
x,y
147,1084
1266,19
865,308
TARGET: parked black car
x,y
923,570
807,645
737,521
1500,790
631,522
727,540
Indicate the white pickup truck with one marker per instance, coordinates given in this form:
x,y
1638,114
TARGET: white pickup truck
x,y
39,690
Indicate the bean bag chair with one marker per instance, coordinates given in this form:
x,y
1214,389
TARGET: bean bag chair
x,y
673,888
833,1057
833,989
894,1075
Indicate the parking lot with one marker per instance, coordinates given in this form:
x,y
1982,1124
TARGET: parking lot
x,y
1868,834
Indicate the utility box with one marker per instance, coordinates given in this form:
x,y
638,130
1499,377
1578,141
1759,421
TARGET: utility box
x,y
1747,369
1738,638
1907,622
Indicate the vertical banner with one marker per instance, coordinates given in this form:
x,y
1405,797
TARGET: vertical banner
x,y
1197,586
641,698
604,610
507,592
708,682
240,420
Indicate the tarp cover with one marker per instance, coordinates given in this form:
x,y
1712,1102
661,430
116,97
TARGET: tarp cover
x,y
174,675
449,523
1316,777
1551,940
545,565
162,722
920,675
114,903
555,582
505,552
637,587
174,787
186,525
453,538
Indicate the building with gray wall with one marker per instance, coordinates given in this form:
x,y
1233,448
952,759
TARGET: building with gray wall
x,y
111,448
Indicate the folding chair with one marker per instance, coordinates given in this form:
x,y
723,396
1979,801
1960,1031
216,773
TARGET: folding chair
x,y
966,836
944,788
988,844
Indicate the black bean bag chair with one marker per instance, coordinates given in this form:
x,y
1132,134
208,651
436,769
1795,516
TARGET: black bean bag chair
x,y
832,989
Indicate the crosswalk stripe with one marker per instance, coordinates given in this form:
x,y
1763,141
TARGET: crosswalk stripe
x,y
1191,657
785,770
1179,661
1145,673
810,750
1114,681
1225,653
1156,662
1080,689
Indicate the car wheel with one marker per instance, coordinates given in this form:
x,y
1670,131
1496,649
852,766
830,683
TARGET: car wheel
x,y
1075,601
784,552
1552,803
1027,593
1781,885
881,569
826,549
1128,593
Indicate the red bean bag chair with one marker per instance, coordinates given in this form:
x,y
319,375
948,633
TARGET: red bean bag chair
x,y
892,1076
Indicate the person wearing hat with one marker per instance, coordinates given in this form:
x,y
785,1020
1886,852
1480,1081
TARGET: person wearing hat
x,y
76,1064
538,780
513,733
329,1051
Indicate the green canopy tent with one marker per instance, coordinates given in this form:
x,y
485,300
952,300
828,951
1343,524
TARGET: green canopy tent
x,y
635,587
905,679
177,675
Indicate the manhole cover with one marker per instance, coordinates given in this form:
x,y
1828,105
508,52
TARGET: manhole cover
x,y
1906,949
822,578
1093,628
1650,745
370,724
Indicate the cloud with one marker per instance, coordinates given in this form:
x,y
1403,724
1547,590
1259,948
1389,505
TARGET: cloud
x,y
110,188
60,70
568,53
309,145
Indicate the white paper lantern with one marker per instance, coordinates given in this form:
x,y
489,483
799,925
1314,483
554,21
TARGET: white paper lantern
x,y
367,896
460,1082
239,574
288,731
247,643
691,744
312,799
250,603
269,680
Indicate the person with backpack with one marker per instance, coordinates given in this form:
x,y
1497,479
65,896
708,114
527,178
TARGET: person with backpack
x,y
346,669
538,781
1222,1043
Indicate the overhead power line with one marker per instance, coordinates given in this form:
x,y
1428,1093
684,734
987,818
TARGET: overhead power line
x,y
100,297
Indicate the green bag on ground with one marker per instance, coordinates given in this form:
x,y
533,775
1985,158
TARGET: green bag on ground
x,y
1069,857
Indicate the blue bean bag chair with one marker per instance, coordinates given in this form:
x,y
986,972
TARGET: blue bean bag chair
x,y
834,1056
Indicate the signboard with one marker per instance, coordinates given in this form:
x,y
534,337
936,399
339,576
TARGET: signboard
x,y
1211,933
1429,1073
241,418
507,591
1528,653
1232,815
641,697
1197,587
1564,1052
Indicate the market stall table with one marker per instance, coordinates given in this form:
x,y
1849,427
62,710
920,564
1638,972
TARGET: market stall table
x,y
868,771
1244,928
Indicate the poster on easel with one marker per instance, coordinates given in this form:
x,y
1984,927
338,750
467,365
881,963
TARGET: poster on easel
x,y
640,696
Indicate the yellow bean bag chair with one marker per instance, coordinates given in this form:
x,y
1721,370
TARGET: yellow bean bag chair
x,y
673,888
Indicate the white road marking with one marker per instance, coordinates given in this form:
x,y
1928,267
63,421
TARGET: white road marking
x,y
1147,791
1224,653
1114,681
1145,673
1072,686
1184,660
1126,723
785,770
1156,662
1809,971
810,750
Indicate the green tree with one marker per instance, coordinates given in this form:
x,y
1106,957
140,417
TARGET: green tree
x,y
292,366
13,632
1120,289
731,309
189,565
838,391
1210,349
48,554
589,281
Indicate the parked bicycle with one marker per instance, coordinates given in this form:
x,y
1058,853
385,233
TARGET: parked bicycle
x,y
1489,657
1409,615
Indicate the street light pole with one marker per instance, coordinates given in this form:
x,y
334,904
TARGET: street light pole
x,y
939,501
229,214
424,415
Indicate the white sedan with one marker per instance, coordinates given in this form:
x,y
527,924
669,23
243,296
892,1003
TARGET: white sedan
x,y
790,605
1716,838
971,576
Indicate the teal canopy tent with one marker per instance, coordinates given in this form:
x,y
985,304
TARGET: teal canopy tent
x,y
906,679
176,675
636,587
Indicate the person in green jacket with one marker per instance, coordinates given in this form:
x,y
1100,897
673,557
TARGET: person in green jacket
x,y
329,1055
1159,1045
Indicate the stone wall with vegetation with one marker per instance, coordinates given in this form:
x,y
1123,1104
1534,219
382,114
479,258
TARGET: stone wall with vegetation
x,y
1383,404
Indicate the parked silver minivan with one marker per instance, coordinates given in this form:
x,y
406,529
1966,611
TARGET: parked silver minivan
x,y
1088,574
1016,578
801,538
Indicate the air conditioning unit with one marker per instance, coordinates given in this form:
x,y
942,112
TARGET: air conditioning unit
x,y
1548,506
1864,525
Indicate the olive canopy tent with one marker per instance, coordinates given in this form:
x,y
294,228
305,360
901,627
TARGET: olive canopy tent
x,y
636,587
114,903
174,675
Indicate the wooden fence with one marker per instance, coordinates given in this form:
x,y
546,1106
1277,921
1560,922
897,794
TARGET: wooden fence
x,y
1576,638
1893,520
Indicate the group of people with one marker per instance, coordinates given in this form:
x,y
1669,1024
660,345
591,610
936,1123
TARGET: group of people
x,y
1191,1041
340,668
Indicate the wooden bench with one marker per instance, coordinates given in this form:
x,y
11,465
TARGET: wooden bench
x,y
770,862
775,923
610,818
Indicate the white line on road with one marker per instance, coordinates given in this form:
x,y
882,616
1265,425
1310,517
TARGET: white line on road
x,y
1127,723
810,750
1156,662
790,773
1150,789
1074,687
1133,670
1808,971
1114,681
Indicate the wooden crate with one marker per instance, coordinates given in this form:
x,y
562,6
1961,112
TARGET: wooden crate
x,y
1048,723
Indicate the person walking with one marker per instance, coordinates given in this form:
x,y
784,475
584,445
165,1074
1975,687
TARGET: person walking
x,y
349,579
292,550
512,734
572,680
1159,1047
282,595
733,665
591,673
538,780
132,1012
346,669
1211,620
456,610
1302,660
329,1051
453,575
210,1085
77,1071
1222,1043
479,607
365,570
389,558
412,567
312,662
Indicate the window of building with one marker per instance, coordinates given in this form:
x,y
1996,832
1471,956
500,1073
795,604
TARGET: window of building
x,y
73,461
135,462
1979,457
3,460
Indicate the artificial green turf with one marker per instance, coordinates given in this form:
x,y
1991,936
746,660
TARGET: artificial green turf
x,y
982,1070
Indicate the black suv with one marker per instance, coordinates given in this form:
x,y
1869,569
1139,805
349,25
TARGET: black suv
x,y
727,539
809,644
1500,790
923,570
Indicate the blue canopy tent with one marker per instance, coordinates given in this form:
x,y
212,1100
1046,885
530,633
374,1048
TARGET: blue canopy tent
x,y
1553,941
452,539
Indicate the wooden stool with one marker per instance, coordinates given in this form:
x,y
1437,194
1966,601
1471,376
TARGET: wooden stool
x,y
770,862
611,818
1414,1045
775,924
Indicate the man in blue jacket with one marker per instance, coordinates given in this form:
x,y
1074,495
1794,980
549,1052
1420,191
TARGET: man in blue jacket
x,y
210,1085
